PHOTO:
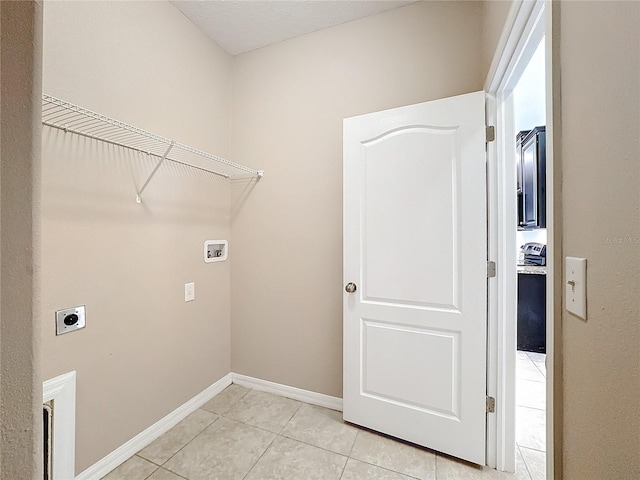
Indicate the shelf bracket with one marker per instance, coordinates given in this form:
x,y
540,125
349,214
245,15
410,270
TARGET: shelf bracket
x,y
153,172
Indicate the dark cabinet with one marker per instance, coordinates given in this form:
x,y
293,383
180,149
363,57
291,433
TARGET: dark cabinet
x,y
531,171
532,315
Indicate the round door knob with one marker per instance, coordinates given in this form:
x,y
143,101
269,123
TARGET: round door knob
x,y
350,287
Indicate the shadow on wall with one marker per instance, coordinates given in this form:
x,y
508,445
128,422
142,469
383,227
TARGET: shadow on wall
x,y
89,178
240,191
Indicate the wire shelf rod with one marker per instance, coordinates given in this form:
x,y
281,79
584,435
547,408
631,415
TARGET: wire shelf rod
x,y
72,118
88,113
93,137
141,150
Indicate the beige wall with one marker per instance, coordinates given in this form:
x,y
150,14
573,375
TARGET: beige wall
x,y
286,117
144,351
289,103
20,385
494,14
600,72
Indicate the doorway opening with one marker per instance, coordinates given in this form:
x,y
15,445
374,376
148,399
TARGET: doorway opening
x,y
520,167
529,119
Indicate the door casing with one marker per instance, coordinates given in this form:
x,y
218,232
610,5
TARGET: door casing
x,y
527,23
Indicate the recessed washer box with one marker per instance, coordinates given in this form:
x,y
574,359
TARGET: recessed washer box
x,y
70,319
215,250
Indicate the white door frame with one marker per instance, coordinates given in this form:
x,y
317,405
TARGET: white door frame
x,y
526,24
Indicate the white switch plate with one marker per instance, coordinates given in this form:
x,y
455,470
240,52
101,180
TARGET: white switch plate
x,y
576,286
189,291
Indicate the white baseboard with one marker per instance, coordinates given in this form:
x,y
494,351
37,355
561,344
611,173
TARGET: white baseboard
x,y
144,438
306,396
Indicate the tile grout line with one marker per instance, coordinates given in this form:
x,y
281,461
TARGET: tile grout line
x,y
354,443
382,468
146,459
292,415
284,435
185,478
170,471
262,428
544,374
232,404
531,448
222,414
277,435
184,446
524,460
148,476
350,456
532,364
344,468
261,455
435,466
310,444
533,408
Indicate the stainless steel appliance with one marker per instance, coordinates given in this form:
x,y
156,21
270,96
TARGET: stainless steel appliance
x,y
533,254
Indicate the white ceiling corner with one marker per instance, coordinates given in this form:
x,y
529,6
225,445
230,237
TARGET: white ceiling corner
x,y
239,26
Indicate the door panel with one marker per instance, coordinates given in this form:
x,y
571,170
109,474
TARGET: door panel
x,y
415,245
396,262
383,377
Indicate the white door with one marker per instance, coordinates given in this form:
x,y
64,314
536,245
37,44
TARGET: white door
x,y
415,250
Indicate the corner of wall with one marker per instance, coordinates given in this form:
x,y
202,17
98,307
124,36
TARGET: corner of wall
x,y
20,87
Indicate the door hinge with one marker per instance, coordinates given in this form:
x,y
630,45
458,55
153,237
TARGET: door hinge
x,y
491,134
491,404
491,269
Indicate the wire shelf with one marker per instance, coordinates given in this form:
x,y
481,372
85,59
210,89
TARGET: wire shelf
x,y
72,118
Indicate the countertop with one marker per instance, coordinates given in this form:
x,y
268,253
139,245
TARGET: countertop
x,y
532,269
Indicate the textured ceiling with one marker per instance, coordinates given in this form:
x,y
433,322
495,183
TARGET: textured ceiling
x,y
241,26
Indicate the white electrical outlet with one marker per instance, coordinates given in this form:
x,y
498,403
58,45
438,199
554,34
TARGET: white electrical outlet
x,y
189,291
576,286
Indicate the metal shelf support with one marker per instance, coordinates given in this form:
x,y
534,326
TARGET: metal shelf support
x,y
153,172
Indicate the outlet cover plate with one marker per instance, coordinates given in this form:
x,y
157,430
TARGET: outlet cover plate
x,y
189,292
70,319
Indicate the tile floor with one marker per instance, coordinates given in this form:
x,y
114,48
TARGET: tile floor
x,y
248,434
531,412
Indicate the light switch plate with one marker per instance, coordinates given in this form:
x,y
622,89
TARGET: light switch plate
x,y
189,292
576,286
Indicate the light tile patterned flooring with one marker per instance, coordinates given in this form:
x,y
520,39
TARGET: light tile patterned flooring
x,y
531,412
244,434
